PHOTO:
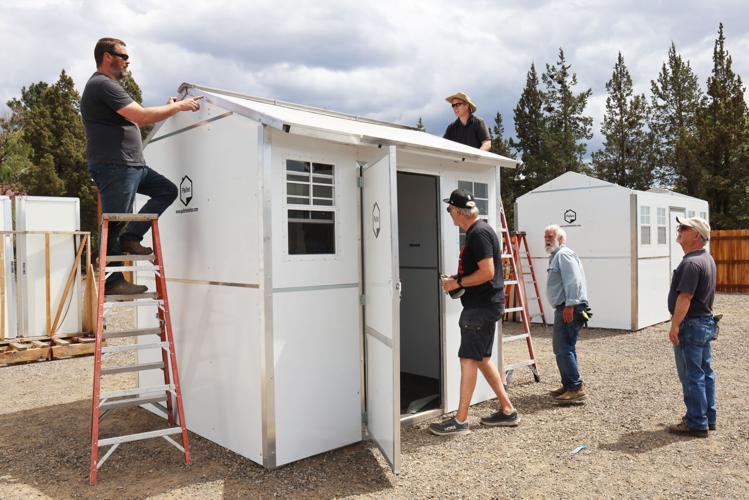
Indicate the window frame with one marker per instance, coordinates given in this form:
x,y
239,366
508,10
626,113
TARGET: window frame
x,y
484,217
645,225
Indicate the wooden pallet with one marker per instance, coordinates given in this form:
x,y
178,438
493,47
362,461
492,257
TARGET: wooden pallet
x,y
29,349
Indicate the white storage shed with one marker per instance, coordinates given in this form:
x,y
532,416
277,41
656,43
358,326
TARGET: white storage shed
x,y
302,262
625,238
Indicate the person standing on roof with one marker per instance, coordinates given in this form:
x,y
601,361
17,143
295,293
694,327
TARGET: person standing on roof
x,y
114,152
467,128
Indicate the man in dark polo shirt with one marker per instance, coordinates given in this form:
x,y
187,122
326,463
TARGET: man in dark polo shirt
x,y
480,275
467,128
114,151
690,302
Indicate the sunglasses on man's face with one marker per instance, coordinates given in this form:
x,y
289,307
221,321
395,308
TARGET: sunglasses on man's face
x,y
458,104
124,57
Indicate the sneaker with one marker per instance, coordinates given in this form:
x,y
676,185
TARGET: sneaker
x,y
124,287
449,427
684,430
133,247
572,396
501,419
558,392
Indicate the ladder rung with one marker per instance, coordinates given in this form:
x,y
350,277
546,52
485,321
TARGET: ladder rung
x,y
513,338
132,333
129,258
136,391
140,436
511,282
128,269
136,303
506,255
129,217
133,347
131,297
520,364
513,309
125,403
132,368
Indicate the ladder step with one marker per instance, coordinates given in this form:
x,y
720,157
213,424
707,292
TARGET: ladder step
x,y
136,303
511,282
132,368
134,296
132,333
129,217
136,391
129,258
133,347
520,364
140,436
130,269
513,338
506,255
514,309
126,403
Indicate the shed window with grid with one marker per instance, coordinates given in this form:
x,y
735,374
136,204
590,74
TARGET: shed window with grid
x,y
660,220
310,189
480,192
644,225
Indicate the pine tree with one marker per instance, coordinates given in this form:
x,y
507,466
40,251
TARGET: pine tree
x,y
420,125
626,153
501,146
529,129
722,128
566,127
674,103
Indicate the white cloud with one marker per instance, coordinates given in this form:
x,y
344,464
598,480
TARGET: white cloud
x,y
392,60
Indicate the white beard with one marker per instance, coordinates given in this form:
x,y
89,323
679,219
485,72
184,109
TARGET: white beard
x,y
550,248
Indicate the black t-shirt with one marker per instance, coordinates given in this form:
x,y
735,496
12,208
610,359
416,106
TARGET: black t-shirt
x,y
110,138
473,133
482,243
695,275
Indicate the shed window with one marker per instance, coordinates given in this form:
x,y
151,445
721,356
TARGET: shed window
x,y
660,219
480,191
690,213
703,215
644,225
310,198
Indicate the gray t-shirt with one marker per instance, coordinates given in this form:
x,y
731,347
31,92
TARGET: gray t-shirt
x,y
110,138
695,275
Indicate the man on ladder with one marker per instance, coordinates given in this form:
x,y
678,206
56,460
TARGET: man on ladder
x,y
114,152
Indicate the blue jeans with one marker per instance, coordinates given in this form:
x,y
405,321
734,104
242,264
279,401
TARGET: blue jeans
x,y
693,357
118,185
564,340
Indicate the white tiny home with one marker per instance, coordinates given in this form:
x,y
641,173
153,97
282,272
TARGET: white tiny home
x,y
625,238
303,259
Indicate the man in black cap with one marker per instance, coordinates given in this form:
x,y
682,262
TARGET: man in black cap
x,y
467,128
479,274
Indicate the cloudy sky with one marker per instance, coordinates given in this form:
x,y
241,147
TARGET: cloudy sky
x,y
392,60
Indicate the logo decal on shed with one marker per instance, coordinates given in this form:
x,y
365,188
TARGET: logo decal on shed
x,y
185,190
570,216
376,220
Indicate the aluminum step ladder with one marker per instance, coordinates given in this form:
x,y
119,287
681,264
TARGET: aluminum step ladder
x,y
514,289
166,396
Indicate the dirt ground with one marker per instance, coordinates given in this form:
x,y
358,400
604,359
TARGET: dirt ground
x,y
634,393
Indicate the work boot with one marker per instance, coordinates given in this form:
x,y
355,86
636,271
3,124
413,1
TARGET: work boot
x,y
133,247
124,287
683,429
558,392
572,396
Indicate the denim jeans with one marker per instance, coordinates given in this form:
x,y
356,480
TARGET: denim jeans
x,y
118,185
564,340
693,357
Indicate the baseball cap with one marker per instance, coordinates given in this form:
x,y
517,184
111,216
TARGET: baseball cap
x,y
460,198
698,224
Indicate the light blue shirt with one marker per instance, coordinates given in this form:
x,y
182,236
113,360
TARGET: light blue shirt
x,y
566,279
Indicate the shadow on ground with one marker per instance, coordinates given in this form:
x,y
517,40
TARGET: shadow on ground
x,y
50,447
643,441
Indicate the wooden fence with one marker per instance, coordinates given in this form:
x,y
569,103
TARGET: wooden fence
x,y
730,249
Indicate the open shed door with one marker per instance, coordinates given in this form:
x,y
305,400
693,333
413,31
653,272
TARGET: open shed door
x,y
382,305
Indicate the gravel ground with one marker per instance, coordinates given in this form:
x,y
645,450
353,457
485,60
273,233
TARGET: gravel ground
x,y
634,393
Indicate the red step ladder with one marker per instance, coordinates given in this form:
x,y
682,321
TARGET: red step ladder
x,y
515,289
520,249
167,397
